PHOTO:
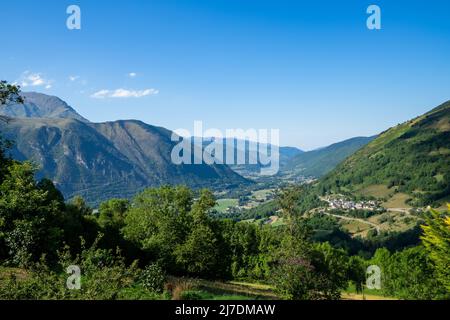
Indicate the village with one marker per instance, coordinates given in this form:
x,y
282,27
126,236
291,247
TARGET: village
x,y
344,204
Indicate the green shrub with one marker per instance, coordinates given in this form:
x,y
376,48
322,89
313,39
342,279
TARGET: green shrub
x,y
191,295
153,278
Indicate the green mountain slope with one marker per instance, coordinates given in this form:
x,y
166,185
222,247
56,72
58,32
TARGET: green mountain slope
x,y
410,161
317,163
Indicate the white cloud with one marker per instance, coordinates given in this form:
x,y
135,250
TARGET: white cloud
x,y
74,78
124,93
132,74
29,79
100,94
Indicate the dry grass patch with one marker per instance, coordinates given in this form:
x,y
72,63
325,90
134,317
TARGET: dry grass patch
x,y
376,190
398,200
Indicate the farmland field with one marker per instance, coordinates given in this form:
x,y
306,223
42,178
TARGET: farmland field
x,y
224,204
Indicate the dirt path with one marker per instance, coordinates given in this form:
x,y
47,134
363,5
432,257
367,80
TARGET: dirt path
x,y
401,210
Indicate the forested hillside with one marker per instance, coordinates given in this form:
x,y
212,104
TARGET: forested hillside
x,y
317,163
412,158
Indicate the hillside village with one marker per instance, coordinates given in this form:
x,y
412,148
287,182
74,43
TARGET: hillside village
x,y
340,202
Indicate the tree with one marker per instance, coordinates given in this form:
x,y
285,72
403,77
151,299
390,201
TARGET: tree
x,y
288,201
112,213
53,194
357,272
105,276
201,207
9,93
436,239
199,253
308,271
158,221
80,204
311,272
28,210
78,222
408,274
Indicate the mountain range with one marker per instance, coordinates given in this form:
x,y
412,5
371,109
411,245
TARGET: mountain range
x,y
408,163
100,160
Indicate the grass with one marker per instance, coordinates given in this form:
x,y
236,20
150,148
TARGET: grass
x,y
205,295
276,222
237,290
369,294
199,289
6,272
223,204
355,227
261,194
394,221
279,222
139,293
376,190
398,200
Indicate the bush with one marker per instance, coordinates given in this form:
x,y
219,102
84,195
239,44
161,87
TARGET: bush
x,y
153,278
104,276
191,295
177,287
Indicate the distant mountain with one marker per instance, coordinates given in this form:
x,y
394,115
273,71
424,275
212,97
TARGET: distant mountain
x,y
287,153
38,105
104,160
317,163
253,170
407,164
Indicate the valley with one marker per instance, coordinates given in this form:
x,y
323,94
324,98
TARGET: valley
x,y
262,152
209,231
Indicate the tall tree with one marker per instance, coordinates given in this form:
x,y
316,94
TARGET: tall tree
x,y
9,93
436,239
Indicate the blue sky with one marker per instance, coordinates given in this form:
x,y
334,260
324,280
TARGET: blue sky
x,y
312,69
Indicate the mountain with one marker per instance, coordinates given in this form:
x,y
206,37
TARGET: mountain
x,y
407,164
38,105
104,160
317,163
254,153
289,152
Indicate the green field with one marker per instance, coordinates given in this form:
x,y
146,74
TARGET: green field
x,y
261,194
223,204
